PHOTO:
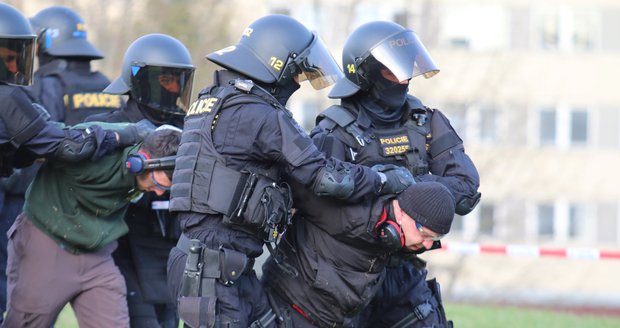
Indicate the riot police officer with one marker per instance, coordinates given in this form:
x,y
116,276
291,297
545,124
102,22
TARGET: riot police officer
x,y
157,74
237,143
64,82
379,122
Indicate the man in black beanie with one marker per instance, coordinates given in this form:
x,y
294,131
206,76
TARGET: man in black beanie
x,y
333,266
427,211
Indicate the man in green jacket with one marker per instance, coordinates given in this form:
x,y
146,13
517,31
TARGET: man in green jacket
x,y
60,247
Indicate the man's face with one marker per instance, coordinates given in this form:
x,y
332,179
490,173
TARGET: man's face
x,y
154,180
170,83
10,59
415,238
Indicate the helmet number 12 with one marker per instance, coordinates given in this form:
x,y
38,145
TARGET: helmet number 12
x,y
276,63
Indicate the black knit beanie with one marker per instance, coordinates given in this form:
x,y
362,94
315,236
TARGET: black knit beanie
x,y
430,204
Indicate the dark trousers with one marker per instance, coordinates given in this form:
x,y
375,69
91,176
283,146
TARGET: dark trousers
x,y
404,288
237,306
143,312
8,212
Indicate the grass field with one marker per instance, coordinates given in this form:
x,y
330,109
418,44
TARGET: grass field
x,y
478,316
469,316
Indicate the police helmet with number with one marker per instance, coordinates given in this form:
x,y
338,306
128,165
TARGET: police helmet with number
x,y
380,44
62,33
16,47
158,73
277,48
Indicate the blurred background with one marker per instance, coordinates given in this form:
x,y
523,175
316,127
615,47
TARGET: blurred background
x,y
529,86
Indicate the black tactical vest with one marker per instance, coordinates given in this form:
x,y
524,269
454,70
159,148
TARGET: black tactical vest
x,y
404,146
82,94
202,182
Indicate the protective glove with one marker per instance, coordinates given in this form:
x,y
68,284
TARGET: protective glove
x,y
394,179
135,133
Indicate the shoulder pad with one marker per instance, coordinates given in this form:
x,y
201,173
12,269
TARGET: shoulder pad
x,y
338,114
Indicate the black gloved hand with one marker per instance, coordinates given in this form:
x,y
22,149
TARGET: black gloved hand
x,y
395,178
135,133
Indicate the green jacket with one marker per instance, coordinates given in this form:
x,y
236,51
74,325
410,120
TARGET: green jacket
x,y
81,205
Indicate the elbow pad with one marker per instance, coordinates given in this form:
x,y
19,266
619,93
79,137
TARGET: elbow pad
x,y
70,150
467,204
334,183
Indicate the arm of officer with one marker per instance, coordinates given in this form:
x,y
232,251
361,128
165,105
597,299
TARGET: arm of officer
x,y
451,166
324,176
329,144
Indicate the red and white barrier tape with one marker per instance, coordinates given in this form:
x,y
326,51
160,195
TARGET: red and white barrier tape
x,y
531,251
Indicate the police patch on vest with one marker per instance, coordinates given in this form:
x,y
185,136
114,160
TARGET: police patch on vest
x,y
394,145
203,105
92,100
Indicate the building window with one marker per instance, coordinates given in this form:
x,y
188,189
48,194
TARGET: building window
x,y
548,30
585,29
608,223
568,29
547,129
489,32
488,118
576,221
545,221
579,126
487,221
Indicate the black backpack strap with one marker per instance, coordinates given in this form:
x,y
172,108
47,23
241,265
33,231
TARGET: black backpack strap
x,y
340,116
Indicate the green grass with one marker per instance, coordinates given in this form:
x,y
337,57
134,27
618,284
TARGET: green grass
x,y
487,316
478,316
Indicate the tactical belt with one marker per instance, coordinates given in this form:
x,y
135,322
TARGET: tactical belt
x,y
230,266
419,313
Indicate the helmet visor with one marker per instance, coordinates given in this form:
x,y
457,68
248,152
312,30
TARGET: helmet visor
x,y
405,56
318,66
16,61
167,89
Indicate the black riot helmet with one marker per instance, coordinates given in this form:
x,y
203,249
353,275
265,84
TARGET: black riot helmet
x,y
62,33
158,73
16,47
275,49
378,45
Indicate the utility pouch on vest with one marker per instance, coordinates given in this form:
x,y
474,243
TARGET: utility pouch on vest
x,y
264,206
